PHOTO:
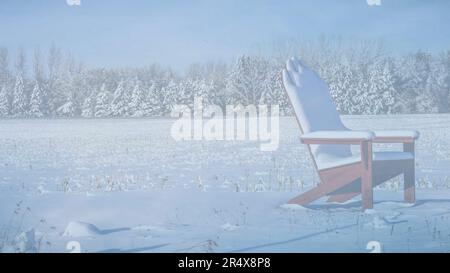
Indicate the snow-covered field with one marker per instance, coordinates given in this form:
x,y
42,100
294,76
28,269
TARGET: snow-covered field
x,y
126,186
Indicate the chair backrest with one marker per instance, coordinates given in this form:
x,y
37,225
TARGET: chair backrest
x,y
314,108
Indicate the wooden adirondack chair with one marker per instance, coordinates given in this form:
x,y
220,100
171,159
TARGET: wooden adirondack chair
x,y
343,174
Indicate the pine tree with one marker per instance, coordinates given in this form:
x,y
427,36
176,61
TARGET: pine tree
x,y
67,109
379,96
151,101
19,101
189,89
102,103
138,106
200,88
163,98
185,92
36,102
87,110
4,104
119,103
275,90
40,100
342,82
388,91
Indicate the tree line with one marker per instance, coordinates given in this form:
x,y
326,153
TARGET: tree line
x,y
363,79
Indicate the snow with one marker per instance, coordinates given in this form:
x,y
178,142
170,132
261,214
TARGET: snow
x,y
315,110
380,156
185,221
398,133
339,135
125,185
310,98
81,229
229,227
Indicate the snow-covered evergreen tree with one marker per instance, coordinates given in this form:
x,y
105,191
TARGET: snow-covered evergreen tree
x,y
102,103
380,93
201,88
4,104
189,89
342,83
87,109
162,99
67,109
184,91
40,100
120,103
138,105
151,100
275,93
19,102
36,102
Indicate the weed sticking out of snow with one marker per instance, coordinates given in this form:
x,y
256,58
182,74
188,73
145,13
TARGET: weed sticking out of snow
x,y
15,237
377,222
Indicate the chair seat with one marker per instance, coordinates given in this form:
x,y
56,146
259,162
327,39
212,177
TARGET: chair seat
x,y
377,156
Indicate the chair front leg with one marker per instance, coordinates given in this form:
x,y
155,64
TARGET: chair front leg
x,y
366,175
409,176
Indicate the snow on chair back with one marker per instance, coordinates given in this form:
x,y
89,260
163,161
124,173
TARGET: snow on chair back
x,y
314,108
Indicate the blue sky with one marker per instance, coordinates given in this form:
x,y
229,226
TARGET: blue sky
x,y
176,33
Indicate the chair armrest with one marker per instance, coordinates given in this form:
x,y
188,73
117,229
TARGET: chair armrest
x,y
396,136
337,137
